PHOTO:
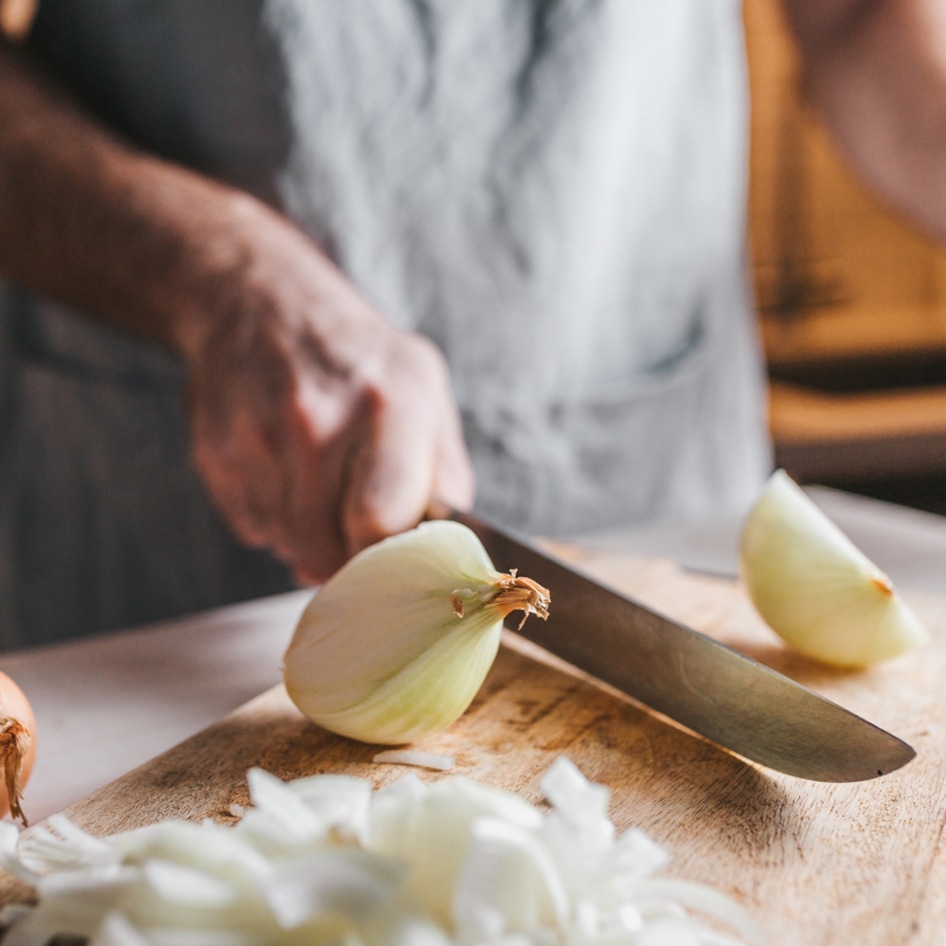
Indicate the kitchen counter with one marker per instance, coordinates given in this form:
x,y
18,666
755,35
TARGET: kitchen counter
x,y
107,704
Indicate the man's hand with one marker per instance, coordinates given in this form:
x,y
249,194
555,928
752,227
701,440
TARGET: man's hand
x,y
318,427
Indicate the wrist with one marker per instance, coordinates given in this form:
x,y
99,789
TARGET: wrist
x,y
254,271
203,280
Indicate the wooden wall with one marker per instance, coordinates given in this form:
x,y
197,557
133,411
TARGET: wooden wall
x,y
852,298
828,257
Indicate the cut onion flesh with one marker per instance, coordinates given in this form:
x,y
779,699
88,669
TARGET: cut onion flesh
x,y
815,588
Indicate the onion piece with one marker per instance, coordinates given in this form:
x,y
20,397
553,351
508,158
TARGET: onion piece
x,y
424,760
815,588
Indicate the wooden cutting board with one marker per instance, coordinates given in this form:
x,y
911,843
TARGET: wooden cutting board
x,y
813,863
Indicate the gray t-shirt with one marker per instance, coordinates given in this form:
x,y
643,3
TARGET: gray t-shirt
x,y
553,191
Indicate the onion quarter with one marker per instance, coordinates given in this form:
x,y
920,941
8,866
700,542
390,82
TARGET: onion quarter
x,y
815,588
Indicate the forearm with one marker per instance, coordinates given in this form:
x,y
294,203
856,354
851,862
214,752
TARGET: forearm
x,y
88,219
318,427
877,71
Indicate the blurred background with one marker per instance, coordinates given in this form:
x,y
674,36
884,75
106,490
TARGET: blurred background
x,y
851,297
852,301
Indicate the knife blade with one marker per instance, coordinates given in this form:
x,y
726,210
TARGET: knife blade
x,y
700,684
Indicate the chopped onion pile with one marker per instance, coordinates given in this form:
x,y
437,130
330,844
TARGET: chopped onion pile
x,y
325,860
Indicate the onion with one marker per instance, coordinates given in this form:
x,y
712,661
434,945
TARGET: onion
x,y
17,746
815,588
326,859
395,645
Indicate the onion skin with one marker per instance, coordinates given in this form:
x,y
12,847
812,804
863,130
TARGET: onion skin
x,y
17,746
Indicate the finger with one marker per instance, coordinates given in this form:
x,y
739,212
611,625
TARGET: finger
x,y
454,478
316,464
391,476
243,476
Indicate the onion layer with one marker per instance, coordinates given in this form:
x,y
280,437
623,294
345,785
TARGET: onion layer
x,y
395,646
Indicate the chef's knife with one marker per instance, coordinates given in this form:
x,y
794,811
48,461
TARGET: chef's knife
x,y
704,686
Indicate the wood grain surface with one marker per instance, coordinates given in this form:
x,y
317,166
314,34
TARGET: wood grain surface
x,y
813,863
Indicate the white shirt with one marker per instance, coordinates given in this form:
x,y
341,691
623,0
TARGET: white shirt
x,y
554,192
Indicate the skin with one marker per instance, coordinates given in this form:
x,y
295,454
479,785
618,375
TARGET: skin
x,y
877,72
317,426
17,746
